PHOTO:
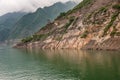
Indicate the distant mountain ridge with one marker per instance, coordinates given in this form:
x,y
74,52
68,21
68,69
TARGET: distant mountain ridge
x,y
32,22
6,23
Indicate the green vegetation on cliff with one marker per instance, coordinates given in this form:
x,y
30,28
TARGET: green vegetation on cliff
x,y
84,35
71,19
78,7
113,18
117,6
27,39
34,38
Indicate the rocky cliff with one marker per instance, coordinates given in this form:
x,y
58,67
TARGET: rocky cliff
x,y
93,24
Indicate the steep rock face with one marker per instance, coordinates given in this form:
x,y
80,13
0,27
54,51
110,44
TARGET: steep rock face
x,y
96,25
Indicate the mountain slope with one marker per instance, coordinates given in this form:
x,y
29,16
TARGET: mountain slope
x,y
93,24
6,23
32,22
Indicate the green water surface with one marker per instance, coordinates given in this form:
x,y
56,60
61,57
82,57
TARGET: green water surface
x,y
58,64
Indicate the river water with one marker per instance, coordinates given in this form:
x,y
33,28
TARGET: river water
x,y
58,64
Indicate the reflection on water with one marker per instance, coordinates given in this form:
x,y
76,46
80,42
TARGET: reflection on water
x,y
58,64
84,65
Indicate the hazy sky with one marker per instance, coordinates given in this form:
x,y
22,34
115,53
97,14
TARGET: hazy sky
x,y
25,5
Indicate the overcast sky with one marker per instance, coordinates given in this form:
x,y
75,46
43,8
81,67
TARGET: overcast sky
x,y
25,5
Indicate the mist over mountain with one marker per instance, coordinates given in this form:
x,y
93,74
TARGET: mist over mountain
x,y
7,6
32,22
